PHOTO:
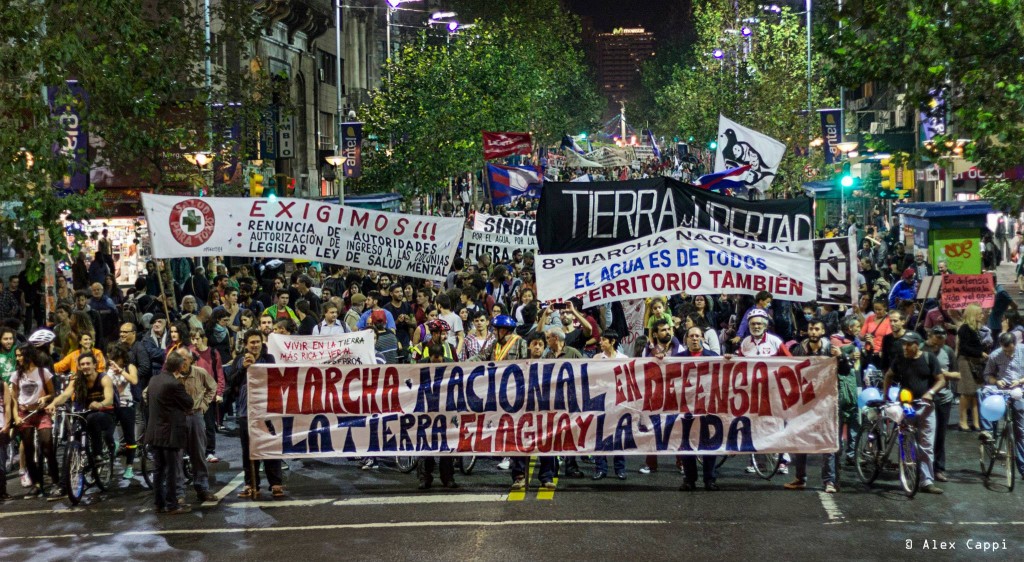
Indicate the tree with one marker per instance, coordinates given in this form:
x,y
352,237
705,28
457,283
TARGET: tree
x,y
963,54
757,79
513,74
141,95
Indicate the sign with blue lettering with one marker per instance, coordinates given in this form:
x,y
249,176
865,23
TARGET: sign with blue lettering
x,y
676,406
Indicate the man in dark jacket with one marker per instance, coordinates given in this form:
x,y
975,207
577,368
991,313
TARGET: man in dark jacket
x,y
169,403
236,373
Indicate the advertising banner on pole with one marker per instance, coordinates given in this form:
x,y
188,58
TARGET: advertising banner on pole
x,y
413,245
682,406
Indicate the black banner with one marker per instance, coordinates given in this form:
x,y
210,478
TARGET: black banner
x,y
835,265
582,216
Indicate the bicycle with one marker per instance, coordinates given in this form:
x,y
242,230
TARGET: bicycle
x,y
80,462
147,465
1003,445
876,441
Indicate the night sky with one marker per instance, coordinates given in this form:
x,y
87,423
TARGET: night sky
x,y
619,13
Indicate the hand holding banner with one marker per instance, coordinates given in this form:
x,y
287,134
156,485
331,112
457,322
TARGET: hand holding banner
x,y
958,291
353,348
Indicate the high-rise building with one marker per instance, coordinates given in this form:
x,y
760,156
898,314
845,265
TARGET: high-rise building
x,y
619,56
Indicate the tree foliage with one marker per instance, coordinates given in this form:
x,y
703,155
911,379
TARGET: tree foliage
x,y
963,52
759,81
146,101
516,73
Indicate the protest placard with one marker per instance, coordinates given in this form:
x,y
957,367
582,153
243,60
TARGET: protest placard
x,y
678,406
958,291
353,348
412,245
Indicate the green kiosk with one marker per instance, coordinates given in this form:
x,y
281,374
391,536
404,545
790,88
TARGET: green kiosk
x,y
949,231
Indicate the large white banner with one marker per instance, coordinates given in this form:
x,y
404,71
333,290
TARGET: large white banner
x,y
496,224
695,261
353,348
739,146
412,245
677,406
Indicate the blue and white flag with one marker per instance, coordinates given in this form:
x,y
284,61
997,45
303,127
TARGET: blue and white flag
x,y
654,144
571,144
509,183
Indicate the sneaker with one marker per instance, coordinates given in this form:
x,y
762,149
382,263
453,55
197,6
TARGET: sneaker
x,y
248,492
211,458
205,496
369,463
549,485
751,469
277,491
795,485
179,511
931,489
688,487
34,492
645,469
519,483
56,493
284,466
783,469
830,488
505,463
129,473
985,437
26,481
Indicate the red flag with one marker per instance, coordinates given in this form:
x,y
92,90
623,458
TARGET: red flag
x,y
500,145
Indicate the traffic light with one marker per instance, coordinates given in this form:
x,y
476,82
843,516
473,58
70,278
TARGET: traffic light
x,y
285,184
583,135
713,145
271,191
845,177
888,175
256,185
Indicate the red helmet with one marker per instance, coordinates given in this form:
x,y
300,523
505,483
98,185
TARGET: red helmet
x,y
438,326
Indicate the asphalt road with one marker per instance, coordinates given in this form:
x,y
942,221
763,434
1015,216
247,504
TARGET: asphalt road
x,y
334,509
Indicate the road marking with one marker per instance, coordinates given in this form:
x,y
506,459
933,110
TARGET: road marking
x,y
545,494
828,502
424,499
227,489
382,525
67,511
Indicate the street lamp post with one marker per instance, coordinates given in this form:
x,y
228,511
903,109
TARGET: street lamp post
x,y
392,6
337,160
199,159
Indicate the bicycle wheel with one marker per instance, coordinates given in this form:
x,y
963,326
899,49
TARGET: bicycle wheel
x,y
147,465
75,462
12,456
406,464
766,464
910,468
1011,459
467,464
868,453
987,460
103,470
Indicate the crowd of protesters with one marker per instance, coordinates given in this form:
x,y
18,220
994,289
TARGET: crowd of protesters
x,y
205,324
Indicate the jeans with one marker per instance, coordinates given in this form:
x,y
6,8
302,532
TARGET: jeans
x,y
548,468
4,440
166,478
601,464
210,421
425,469
251,468
828,467
710,473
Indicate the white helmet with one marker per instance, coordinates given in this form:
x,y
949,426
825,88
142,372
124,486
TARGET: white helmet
x,y
41,337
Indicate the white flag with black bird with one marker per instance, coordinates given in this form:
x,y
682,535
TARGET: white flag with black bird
x,y
739,146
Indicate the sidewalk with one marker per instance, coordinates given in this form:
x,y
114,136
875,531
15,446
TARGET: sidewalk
x,y
1006,275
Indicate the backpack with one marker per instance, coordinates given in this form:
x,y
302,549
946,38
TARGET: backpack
x,y
130,312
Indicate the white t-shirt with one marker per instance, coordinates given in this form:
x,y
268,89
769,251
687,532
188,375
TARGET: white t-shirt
x,y
618,355
30,385
455,322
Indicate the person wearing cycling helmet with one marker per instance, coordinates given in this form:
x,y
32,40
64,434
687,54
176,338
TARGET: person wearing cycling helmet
x,y
438,330
507,345
760,342
446,464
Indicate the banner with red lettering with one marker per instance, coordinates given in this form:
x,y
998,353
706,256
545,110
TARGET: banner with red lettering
x,y
500,145
958,291
410,245
628,407
684,259
351,348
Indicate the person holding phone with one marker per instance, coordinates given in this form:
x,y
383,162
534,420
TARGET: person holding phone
x,y
237,373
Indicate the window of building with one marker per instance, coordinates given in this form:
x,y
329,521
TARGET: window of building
x,y
326,140
328,64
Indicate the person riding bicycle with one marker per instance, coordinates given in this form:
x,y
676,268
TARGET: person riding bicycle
x,y
762,343
1005,369
436,353
91,392
919,372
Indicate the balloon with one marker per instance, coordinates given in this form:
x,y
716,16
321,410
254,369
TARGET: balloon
x,y
993,407
867,395
906,396
1017,393
894,393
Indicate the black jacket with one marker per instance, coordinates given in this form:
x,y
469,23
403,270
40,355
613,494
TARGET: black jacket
x,y
169,403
